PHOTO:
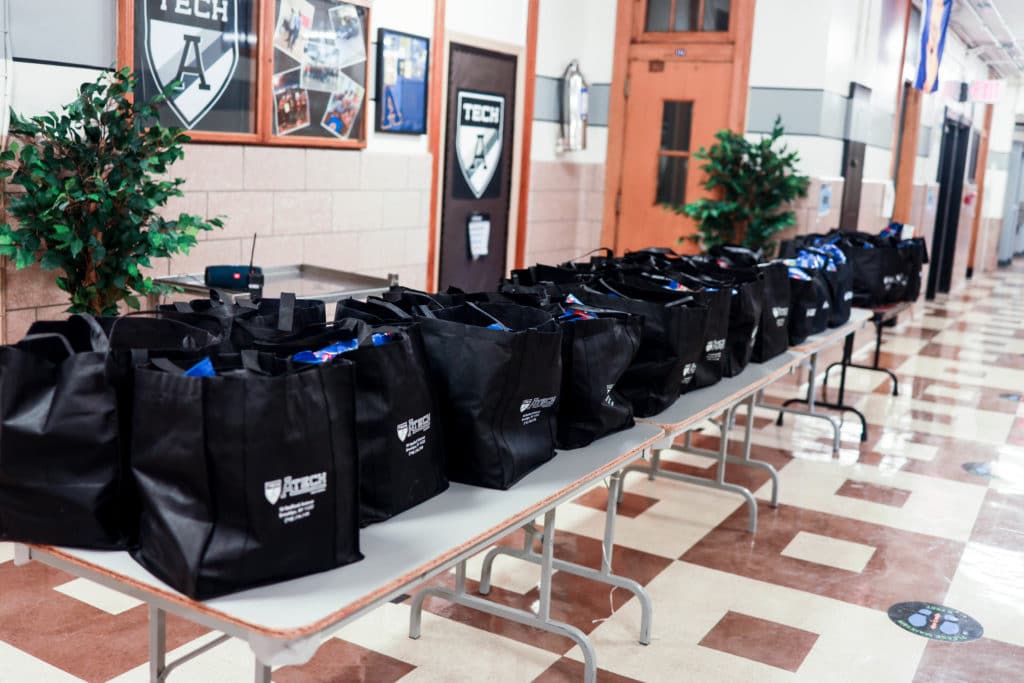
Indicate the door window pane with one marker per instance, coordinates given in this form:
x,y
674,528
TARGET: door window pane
x,y
686,15
658,15
716,15
675,126
671,180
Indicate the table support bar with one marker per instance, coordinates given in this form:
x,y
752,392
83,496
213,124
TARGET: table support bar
x,y
604,575
542,620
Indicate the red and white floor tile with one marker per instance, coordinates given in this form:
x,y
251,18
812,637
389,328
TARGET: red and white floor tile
x,y
897,518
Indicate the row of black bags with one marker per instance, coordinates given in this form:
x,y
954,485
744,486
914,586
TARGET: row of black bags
x,y
884,269
198,439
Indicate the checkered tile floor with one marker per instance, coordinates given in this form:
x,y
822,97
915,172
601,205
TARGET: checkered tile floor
x,y
895,519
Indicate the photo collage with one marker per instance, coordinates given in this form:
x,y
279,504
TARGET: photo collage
x,y
319,68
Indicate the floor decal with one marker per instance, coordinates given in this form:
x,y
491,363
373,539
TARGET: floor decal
x,y
982,469
936,621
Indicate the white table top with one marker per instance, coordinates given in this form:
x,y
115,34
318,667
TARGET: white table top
x,y
699,404
398,553
859,317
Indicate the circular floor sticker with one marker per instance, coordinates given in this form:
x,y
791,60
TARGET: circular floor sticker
x,y
936,621
982,469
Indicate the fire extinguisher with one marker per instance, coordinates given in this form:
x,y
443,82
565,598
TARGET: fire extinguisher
x,y
575,105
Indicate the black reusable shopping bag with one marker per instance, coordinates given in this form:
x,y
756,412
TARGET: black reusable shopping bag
x,y
240,325
497,370
914,255
596,352
838,275
878,274
671,345
398,431
809,308
246,478
773,333
718,301
63,478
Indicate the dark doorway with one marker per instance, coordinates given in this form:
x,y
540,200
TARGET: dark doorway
x,y
858,127
853,174
477,168
956,137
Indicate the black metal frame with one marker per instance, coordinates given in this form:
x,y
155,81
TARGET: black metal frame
x,y
838,405
880,317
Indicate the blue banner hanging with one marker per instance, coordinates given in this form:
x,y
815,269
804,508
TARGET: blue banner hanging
x,y
934,24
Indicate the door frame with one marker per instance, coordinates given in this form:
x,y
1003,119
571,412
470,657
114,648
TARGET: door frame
x,y
949,201
733,45
516,230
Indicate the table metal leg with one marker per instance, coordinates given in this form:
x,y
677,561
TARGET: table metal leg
x,y
157,644
605,574
159,669
541,620
262,673
723,457
811,402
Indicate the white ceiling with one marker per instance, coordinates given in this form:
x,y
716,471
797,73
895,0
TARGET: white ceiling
x,y
996,29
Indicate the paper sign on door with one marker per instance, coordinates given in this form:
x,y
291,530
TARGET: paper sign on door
x,y
479,227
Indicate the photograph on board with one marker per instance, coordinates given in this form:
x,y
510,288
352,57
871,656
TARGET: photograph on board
x,y
291,102
320,69
348,34
294,21
343,108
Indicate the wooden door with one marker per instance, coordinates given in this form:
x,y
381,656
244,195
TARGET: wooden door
x,y
478,165
673,108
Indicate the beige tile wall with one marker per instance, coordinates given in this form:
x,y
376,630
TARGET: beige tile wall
x,y
341,209
565,205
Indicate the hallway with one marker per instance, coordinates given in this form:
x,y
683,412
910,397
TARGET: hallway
x,y
898,519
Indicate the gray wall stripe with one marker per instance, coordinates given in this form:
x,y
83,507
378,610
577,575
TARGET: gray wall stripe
x,y
998,161
820,113
82,32
546,105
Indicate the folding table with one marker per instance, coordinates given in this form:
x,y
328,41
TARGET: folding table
x,y
285,623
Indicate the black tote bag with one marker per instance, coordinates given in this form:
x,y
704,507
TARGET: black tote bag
x,y
671,344
773,332
596,353
63,477
498,388
810,307
398,430
246,478
240,325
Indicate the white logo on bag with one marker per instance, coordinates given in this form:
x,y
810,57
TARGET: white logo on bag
x,y
531,408
291,487
409,429
272,491
811,312
277,490
537,403
890,281
689,370
608,395
848,296
780,313
413,427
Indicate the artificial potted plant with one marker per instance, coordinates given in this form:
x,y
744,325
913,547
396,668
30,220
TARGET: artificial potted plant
x,y
752,185
95,178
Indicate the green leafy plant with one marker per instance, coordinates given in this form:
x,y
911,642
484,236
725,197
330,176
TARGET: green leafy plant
x,y
752,184
94,178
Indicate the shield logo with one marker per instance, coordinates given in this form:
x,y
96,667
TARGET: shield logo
x,y
525,405
197,48
272,491
479,131
403,431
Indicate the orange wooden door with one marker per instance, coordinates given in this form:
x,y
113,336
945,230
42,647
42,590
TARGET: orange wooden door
x,y
674,107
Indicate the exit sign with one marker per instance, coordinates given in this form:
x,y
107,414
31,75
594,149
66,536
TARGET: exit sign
x,y
990,91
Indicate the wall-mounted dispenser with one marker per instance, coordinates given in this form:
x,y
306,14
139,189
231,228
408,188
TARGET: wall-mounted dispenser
x,y
575,104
